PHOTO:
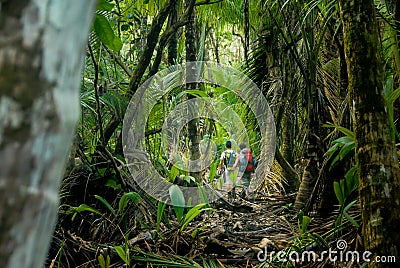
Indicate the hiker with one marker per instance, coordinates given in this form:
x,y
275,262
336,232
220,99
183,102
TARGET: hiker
x,y
228,163
247,166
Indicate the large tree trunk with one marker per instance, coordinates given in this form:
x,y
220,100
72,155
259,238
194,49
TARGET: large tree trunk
x,y
375,153
40,59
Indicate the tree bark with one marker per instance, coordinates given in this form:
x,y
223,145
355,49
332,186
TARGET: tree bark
x,y
40,63
379,180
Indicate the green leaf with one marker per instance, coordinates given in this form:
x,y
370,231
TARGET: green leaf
x,y
319,240
347,150
332,149
106,34
351,179
202,194
344,130
213,171
178,200
300,216
304,224
81,208
84,207
339,220
123,202
344,140
347,216
113,184
344,187
122,254
105,203
338,192
189,179
100,172
173,173
160,212
192,213
104,5
101,260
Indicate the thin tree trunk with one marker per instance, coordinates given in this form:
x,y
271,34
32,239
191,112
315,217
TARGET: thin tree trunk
x,y
215,44
151,42
287,151
191,51
379,174
246,42
173,41
169,33
40,60
283,114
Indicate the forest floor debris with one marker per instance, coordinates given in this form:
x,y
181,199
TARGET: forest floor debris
x,y
234,233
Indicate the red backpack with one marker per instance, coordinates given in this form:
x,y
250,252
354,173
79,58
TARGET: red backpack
x,y
250,163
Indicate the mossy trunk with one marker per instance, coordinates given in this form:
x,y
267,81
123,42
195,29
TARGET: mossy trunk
x,y
376,157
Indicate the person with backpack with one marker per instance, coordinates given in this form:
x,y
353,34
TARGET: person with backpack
x,y
247,166
228,163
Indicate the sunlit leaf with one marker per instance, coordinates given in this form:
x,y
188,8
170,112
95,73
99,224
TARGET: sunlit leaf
x,y
192,213
106,34
122,254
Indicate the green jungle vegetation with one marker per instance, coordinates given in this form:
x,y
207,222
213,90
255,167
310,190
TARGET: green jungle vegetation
x,y
329,71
